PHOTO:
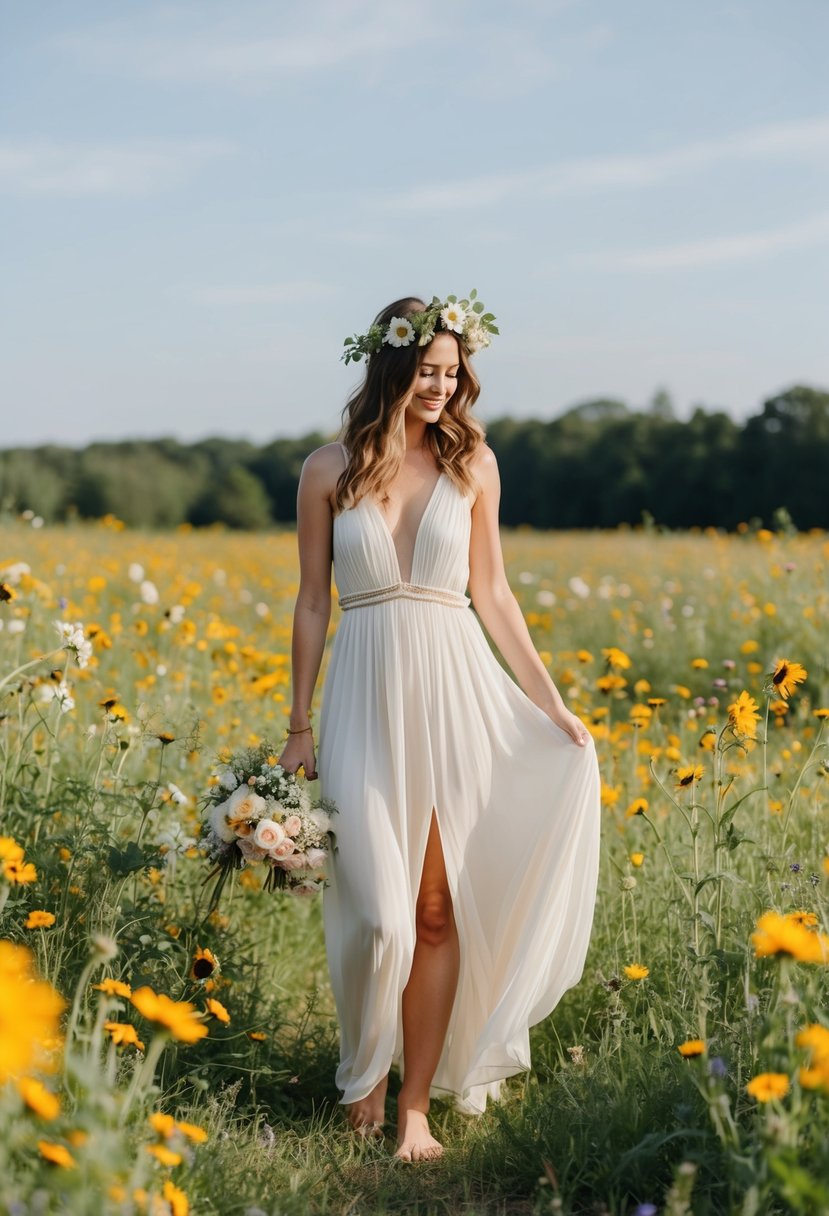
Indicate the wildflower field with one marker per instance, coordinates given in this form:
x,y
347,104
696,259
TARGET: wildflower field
x,y
157,1057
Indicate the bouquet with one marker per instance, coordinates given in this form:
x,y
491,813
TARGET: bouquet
x,y
256,813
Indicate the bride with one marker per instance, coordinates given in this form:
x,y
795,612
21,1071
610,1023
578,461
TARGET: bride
x,y
462,889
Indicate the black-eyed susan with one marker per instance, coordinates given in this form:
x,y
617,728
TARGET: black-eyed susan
x,y
204,964
686,776
162,1124
165,737
637,807
39,919
699,664
768,1086
656,702
257,1036
822,713
786,676
7,593
584,656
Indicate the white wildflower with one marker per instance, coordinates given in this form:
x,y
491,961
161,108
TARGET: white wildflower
x,y
14,573
148,592
399,332
74,641
136,572
177,614
177,795
453,318
16,626
227,778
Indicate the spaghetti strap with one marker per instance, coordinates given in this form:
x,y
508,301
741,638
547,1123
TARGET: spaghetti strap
x,y
345,452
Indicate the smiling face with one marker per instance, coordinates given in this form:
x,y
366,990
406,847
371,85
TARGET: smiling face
x,y
436,378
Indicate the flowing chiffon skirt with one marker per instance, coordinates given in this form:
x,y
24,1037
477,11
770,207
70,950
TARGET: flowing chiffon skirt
x,y
418,715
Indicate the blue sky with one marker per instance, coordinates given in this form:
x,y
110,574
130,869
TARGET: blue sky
x,y
200,200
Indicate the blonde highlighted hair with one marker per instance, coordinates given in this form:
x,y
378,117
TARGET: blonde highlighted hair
x,y
373,420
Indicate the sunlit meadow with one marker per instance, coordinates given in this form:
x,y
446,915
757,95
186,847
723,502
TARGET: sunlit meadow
x,y
156,1057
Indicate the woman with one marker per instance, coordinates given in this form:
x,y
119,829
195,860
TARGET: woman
x,y
462,890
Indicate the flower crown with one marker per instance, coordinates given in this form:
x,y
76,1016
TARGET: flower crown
x,y
466,318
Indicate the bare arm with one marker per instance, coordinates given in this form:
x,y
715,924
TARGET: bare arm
x,y
312,611
498,608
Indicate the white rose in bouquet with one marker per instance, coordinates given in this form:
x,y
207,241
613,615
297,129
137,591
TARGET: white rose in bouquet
x,y
316,857
245,804
269,835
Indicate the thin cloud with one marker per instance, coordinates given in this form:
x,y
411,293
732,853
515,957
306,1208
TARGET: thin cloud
x,y
807,138
261,293
343,35
738,247
142,167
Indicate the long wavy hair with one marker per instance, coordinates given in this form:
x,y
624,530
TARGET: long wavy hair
x,y
373,420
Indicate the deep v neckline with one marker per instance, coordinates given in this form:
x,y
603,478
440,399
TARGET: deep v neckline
x,y
418,530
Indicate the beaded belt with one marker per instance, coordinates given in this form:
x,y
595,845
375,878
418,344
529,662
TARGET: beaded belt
x,y
409,591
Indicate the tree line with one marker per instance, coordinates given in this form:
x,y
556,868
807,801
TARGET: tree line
x,y
598,465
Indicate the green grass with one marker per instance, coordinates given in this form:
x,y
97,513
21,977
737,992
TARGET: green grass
x,y
611,1116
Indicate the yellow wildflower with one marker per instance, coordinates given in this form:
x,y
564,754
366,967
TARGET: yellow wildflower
x,y
38,1098
163,1154
776,934
635,971
218,1010
743,716
58,1154
38,919
768,1086
690,1048
687,776
180,1018
123,1034
786,676
616,658
30,1010
111,987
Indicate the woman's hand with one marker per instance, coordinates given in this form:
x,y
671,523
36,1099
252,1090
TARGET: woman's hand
x,y
568,721
299,753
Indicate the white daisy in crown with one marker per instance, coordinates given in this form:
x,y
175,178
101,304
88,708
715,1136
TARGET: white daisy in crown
x,y
453,318
399,333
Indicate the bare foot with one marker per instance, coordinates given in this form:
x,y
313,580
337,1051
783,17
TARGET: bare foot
x,y
367,1116
414,1140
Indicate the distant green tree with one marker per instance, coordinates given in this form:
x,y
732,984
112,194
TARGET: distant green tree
x,y
238,500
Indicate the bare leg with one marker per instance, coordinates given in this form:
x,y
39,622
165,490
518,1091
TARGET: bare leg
x,y
427,1003
367,1115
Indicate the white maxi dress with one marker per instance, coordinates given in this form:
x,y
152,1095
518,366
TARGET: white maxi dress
x,y
417,713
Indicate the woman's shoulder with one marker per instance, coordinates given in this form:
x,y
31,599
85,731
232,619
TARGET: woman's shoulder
x,y
483,464
321,469
325,461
